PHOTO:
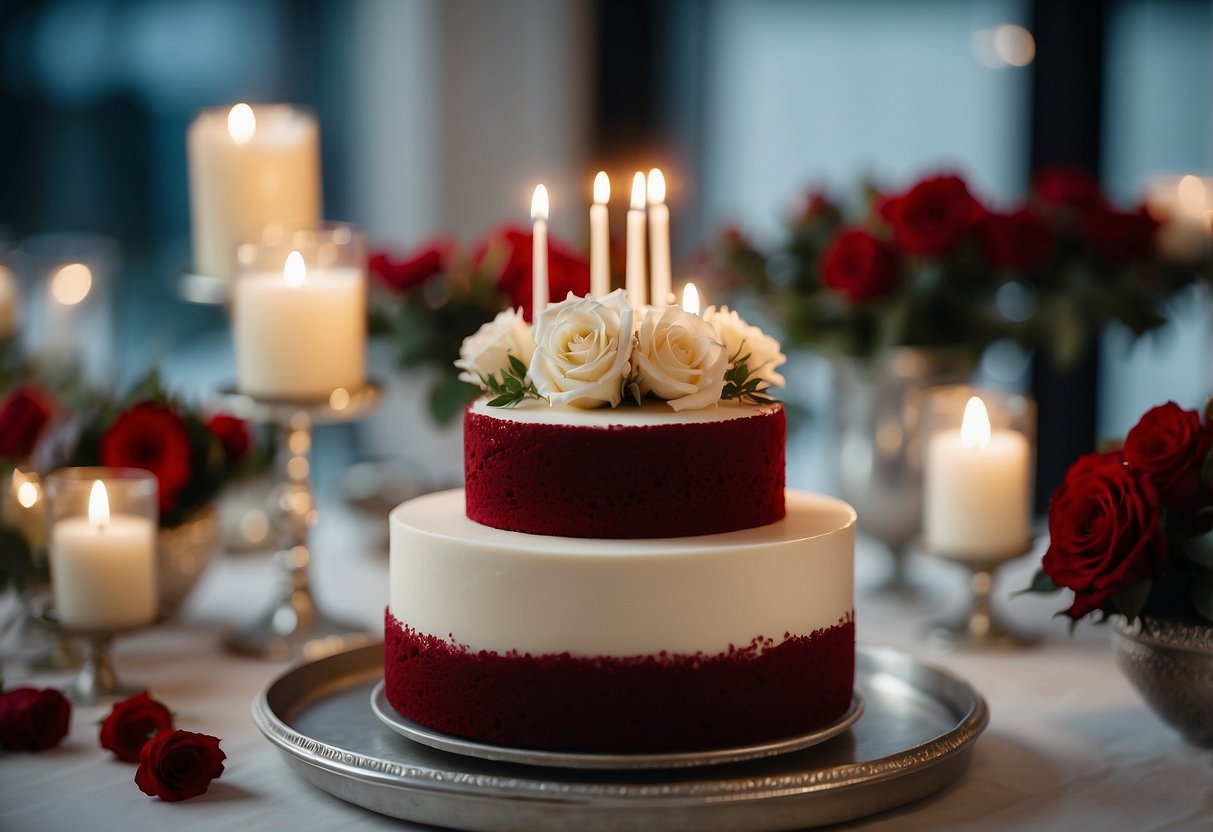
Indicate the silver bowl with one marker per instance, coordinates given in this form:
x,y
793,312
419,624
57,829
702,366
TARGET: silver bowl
x,y
1171,665
183,553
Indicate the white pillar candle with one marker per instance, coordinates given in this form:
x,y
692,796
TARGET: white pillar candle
x,y
9,304
249,168
634,276
660,272
539,252
976,490
600,238
103,568
299,334
1184,205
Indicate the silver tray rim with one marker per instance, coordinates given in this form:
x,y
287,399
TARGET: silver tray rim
x,y
524,786
450,743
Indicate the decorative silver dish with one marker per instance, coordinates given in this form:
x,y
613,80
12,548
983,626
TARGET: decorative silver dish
x,y
915,736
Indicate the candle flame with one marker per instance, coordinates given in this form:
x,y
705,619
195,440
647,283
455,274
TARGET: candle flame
x,y
98,505
294,272
25,487
71,284
690,299
1191,193
638,192
539,203
656,187
975,428
241,123
602,188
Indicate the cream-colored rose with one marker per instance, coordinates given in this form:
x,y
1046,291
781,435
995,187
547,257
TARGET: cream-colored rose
x,y
583,349
741,339
680,359
487,351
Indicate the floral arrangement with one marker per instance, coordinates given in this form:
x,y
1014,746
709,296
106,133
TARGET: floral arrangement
x,y
935,267
174,765
595,352
427,300
1131,529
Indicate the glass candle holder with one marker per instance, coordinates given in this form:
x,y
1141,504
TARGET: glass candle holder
x,y
299,313
66,306
1183,203
249,167
102,548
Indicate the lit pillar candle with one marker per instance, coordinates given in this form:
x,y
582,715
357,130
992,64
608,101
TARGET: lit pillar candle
x,y
539,252
660,277
600,238
300,333
634,276
248,169
976,490
103,568
690,299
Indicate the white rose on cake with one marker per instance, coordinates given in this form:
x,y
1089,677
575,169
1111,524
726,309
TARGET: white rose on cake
x,y
487,351
741,339
680,359
583,350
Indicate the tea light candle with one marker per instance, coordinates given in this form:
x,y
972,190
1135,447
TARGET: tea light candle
x,y
301,334
976,490
539,252
249,168
634,276
660,270
103,568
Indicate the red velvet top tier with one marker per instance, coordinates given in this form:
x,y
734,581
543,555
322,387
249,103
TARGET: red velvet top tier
x,y
675,478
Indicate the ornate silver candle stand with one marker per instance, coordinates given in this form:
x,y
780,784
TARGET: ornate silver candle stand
x,y
980,627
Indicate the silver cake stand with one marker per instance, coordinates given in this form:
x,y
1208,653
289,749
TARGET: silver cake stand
x,y
915,736
294,626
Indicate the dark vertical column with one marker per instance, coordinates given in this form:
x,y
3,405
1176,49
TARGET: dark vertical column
x,y
1067,92
626,118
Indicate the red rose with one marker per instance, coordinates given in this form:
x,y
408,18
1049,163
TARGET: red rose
x,y
1168,447
508,254
933,216
33,720
152,437
1117,237
178,765
1104,531
233,434
24,415
131,723
414,270
858,266
1021,240
1067,187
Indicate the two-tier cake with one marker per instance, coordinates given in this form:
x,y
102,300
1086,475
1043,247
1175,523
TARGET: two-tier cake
x,y
627,578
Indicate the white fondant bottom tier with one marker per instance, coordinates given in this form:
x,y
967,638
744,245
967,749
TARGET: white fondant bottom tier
x,y
495,590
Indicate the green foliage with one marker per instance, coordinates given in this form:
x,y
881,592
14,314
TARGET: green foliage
x,y
512,387
743,385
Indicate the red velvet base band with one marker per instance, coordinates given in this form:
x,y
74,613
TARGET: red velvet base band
x,y
662,703
627,482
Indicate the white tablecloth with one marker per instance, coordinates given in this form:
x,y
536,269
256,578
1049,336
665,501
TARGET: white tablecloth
x,y
1069,746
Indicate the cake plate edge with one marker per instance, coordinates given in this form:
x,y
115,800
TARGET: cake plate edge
x,y
450,795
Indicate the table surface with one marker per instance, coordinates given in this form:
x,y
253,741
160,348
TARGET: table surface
x,y
1069,745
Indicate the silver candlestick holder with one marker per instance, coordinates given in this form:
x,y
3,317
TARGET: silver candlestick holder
x,y
294,626
979,627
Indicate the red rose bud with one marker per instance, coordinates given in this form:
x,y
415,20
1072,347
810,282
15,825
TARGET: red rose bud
x,y
179,765
933,216
508,254
24,415
152,437
1067,187
1119,238
132,723
33,720
1021,240
233,434
414,270
1168,447
858,266
1104,531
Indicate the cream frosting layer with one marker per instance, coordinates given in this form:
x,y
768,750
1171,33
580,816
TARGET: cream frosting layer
x,y
650,413
496,590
